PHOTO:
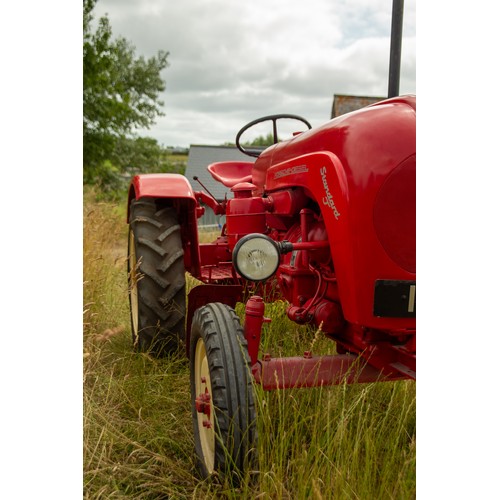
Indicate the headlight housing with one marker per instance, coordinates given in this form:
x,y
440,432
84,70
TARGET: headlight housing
x,y
256,257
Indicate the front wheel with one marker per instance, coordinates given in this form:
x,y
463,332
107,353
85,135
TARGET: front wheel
x,y
223,407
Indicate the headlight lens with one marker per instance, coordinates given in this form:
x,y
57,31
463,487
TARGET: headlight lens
x,y
256,257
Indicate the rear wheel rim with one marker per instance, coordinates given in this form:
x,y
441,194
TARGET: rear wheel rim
x,y
134,303
205,419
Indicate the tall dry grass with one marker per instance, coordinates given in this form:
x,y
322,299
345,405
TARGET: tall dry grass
x,y
348,441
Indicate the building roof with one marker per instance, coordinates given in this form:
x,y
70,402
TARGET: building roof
x,y
201,156
343,104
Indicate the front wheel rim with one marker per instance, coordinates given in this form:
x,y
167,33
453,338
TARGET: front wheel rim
x,y
204,406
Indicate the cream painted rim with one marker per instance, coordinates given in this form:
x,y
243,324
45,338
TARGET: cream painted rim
x,y
203,386
134,303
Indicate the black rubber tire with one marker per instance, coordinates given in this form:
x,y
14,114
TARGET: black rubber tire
x,y
217,328
157,282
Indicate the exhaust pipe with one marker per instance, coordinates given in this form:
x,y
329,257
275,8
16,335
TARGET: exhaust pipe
x,y
395,54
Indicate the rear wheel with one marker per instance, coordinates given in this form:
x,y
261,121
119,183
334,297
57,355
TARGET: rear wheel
x,y
157,286
222,397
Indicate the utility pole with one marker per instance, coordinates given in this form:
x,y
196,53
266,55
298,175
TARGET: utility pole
x,y
395,54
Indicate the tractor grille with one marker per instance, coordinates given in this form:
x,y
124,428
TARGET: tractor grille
x,y
394,215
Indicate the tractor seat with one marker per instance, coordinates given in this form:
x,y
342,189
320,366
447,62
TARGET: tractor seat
x,y
230,173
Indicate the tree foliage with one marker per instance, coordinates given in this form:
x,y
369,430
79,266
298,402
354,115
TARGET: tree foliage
x,y
120,94
261,140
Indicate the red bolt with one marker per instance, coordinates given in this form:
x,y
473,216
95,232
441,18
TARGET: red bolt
x,y
202,403
203,380
207,424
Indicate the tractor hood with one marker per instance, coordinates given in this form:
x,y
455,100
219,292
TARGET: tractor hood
x,y
363,140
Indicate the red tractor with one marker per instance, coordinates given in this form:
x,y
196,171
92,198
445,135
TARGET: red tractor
x,y
325,221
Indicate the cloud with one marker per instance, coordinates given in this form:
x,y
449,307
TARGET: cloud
x,y
231,62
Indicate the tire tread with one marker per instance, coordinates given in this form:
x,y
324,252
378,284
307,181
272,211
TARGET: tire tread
x,y
161,287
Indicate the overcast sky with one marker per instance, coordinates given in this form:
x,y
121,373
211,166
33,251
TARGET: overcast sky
x,y
233,61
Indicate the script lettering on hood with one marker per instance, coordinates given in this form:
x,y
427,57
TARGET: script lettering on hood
x,y
328,199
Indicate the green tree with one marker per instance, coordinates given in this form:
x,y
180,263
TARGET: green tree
x,y
261,140
120,93
140,153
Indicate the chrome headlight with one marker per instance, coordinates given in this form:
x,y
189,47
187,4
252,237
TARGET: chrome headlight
x,y
256,257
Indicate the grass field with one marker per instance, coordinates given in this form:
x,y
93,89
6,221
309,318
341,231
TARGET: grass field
x,y
343,442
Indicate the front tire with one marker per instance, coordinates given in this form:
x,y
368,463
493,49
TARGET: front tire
x,y
222,398
157,283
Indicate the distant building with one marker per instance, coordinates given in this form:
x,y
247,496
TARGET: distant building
x,y
343,104
198,160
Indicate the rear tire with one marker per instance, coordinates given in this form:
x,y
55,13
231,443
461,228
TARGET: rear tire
x,y
222,398
157,283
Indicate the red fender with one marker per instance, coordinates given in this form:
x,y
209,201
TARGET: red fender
x,y
173,186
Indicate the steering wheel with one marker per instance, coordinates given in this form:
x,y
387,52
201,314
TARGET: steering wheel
x,y
274,118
